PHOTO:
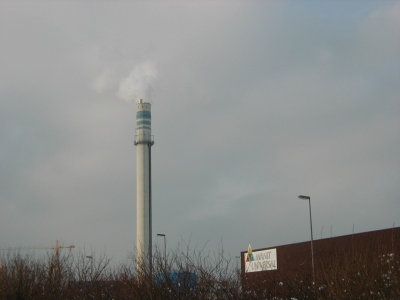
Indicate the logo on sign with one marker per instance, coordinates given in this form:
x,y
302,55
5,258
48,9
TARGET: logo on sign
x,y
249,255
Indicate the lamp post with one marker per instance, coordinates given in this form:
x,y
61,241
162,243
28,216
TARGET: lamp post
x,y
165,247
237,264
312,247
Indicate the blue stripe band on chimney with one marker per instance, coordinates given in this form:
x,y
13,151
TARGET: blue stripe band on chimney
x,y
143,122
143,114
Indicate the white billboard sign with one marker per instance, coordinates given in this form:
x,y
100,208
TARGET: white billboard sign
x,y
264,260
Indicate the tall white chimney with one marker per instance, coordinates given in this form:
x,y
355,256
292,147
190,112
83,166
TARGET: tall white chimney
x,y
143,142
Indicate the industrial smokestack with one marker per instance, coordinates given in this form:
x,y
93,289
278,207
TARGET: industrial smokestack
x,y
143,142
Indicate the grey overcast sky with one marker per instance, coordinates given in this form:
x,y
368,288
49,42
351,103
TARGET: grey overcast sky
x,y
253,103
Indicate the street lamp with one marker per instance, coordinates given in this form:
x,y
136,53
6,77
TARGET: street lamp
x,y
237,264
312,247
165,246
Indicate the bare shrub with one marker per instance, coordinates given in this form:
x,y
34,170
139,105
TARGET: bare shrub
x,y
196,274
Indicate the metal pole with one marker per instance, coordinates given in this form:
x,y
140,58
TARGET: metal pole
x,y
312,239
150,217
165,251
165,247
312,242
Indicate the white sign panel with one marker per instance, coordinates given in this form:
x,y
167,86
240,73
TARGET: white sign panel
x,y
264,260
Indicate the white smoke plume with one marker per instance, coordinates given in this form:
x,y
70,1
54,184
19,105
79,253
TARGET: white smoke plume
x,y
140,82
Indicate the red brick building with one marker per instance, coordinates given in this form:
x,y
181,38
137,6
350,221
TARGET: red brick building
x,y
363,255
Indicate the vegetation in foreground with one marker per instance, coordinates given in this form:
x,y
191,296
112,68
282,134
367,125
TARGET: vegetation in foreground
x,y
189,275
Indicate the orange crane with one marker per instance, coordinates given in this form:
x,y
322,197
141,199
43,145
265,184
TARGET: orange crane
x,y
56,249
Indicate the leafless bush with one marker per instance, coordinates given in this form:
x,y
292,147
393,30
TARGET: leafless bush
x,y
194,274
49,277
360,275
